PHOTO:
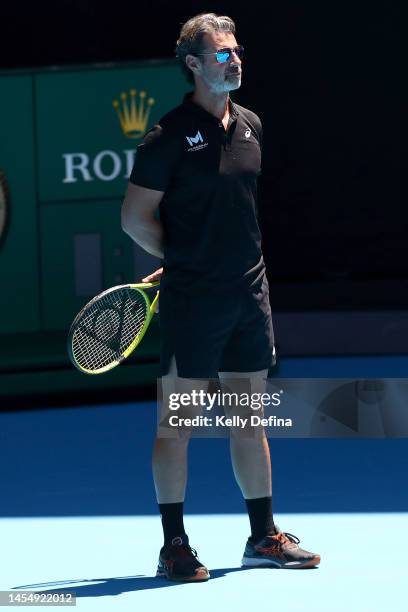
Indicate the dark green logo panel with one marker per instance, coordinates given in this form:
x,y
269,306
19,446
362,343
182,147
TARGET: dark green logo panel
x,y
90,122
19,265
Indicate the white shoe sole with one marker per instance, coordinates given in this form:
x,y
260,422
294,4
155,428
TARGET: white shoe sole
x,y
256,562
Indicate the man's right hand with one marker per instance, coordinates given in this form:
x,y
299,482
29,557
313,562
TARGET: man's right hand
x,y
154,276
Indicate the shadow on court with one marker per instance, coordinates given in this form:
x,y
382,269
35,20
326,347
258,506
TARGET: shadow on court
x,y
118,586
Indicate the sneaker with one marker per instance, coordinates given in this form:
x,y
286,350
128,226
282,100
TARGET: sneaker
x,y
178,561
280,550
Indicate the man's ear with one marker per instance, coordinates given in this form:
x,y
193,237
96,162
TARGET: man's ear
x,y
193,63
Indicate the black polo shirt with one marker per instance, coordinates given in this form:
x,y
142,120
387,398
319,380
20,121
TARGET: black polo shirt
x,y
208,212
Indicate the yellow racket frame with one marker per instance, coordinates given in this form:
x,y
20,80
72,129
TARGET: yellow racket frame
x,y
151,309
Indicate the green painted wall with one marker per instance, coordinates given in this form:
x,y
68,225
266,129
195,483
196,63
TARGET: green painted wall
x,y
19,247
59,226
67,142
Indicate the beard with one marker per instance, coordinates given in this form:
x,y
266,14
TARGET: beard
x,y
228,82
233,80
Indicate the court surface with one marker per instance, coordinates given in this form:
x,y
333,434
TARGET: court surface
x,y
78,512
109,563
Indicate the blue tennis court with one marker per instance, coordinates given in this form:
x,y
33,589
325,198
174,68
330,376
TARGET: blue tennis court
x,y
79,513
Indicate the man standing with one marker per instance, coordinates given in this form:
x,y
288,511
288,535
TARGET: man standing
x,y
199,166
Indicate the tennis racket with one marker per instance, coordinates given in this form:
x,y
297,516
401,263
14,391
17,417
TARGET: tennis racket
x,y
110,327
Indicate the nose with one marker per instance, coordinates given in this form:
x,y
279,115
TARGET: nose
x,y
235,58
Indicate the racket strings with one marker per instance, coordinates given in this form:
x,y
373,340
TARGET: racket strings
x,y
108,327
134,316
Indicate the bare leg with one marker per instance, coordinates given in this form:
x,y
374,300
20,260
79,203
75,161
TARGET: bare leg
x,y
170,453
170,469
177,560
250,455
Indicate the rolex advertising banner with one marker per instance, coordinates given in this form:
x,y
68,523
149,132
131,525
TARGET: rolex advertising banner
x,y
67,146
90,122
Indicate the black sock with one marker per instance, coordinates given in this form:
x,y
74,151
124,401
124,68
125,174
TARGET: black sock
x,y
172,521
260,517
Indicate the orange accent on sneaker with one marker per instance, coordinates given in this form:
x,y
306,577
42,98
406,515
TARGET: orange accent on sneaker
x,y
271,551
275,550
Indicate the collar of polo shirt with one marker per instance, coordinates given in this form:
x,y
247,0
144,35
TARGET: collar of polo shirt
x,y
188,102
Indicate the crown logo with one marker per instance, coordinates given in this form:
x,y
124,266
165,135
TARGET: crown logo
x,y
133,115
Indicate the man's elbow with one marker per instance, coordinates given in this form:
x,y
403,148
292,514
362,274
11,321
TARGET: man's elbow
x,y
126,218
134,223
123,219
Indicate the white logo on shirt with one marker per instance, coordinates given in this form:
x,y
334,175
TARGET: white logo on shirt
x,y
196,140
247,133
192,140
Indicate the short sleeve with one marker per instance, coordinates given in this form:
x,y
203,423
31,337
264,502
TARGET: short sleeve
x,y
259,131
156,159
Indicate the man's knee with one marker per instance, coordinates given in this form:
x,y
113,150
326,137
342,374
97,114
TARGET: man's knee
x,y
172,446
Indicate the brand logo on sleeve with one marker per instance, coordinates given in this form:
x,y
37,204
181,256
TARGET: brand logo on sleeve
x,y
247,133
196,140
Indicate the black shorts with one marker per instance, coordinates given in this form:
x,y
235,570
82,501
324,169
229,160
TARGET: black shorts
x,y
211,333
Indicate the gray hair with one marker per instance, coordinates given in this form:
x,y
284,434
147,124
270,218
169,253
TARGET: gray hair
x,y
192,33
